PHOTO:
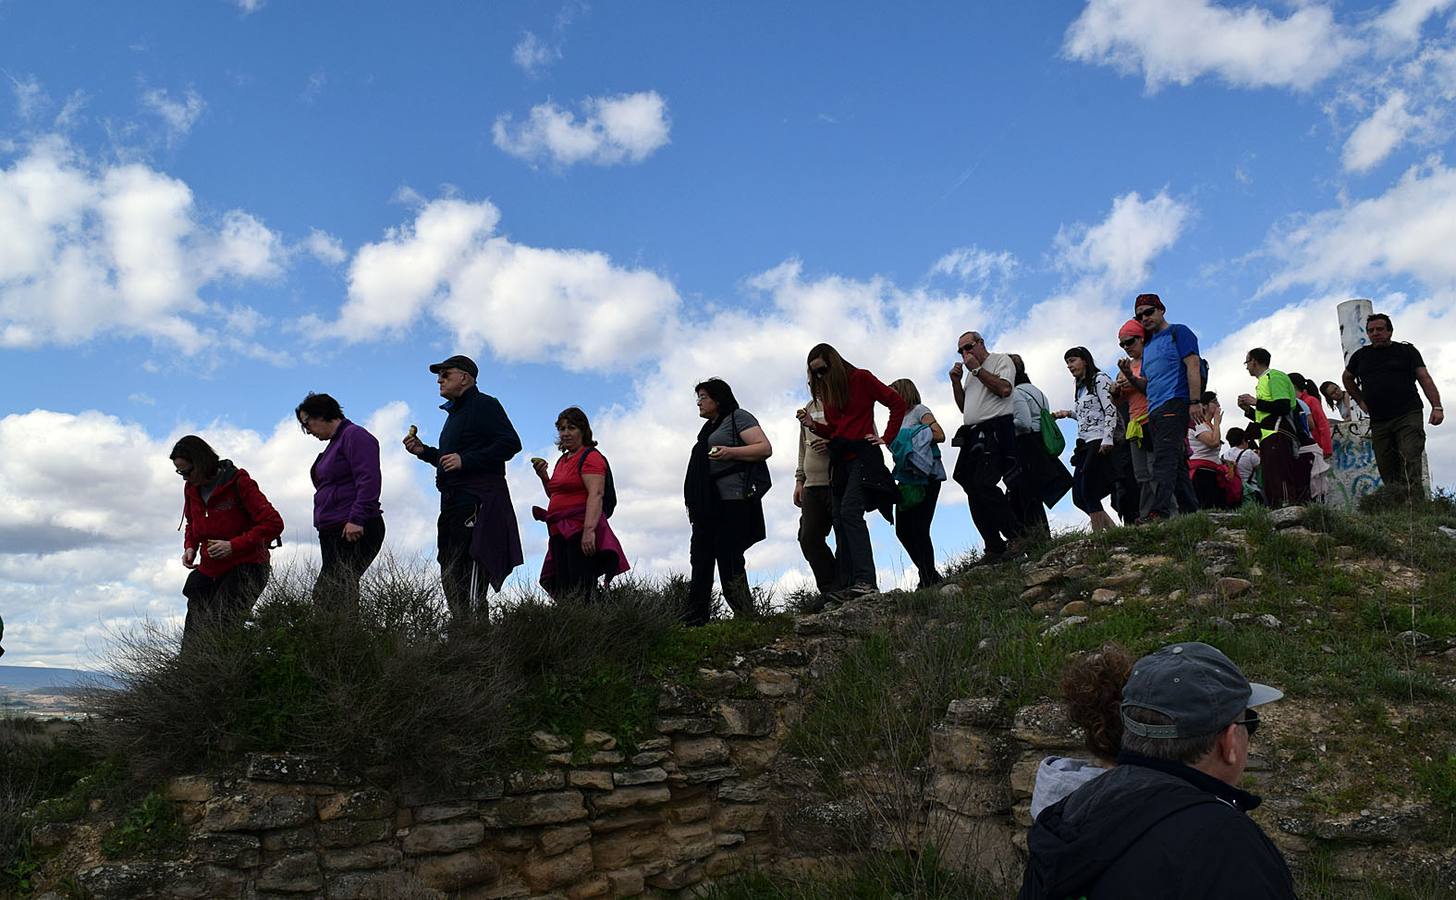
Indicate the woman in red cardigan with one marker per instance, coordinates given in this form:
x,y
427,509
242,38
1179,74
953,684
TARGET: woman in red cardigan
x,y
229,526
856,465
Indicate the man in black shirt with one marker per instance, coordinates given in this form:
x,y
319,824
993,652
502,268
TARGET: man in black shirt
x,y
1382,379
479,543
1167,821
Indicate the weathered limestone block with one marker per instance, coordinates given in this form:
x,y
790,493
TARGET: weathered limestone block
x,y
625,798
630,777
836,826
598,740
369,803
1023,774
657,743
707,776
250,812
378,885
723,863
441,812
706,751
648,758
597,779
686,725
1104,596
294,873
970,795
626,882
547,742
753,756
51,835
190,789
457,871
1046,725
538,809
983,845
531,782
124,881
692,841
744,790
679,699
716,681
238,851
559,840
773,682
345,833
749,718
694,809
625,848
606,758
546,872
296,768
369,856
958,748
291,839
594,886
444,837
678,877
634,819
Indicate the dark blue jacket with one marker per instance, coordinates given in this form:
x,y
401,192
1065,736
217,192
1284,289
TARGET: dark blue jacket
x,y
1153,829
477,428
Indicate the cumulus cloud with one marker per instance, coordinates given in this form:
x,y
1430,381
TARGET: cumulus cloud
x,y
1408,230
491,292
1179,41
76,563
1374,139
626,128
1402,20
113,249
177,114
325,248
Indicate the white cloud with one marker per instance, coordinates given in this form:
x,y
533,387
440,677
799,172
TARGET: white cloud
x,y
532,54
178,115
248,7
314,87
113,250
1408,230
976,266
1402,20
324,247
1374,139
626,128
514,299
30,96
1178,41
1123,245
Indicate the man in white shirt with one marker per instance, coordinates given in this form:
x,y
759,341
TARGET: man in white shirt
x,y
982,383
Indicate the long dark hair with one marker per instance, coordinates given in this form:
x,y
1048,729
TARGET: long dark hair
x,y
720,393
1021,376
197,452
1332,403
832,389
573,416
1089,371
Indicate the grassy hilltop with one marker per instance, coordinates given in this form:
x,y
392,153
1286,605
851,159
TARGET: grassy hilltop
x,y
1354,616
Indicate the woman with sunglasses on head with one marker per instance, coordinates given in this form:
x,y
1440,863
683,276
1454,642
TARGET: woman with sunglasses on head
x,y
723,490
229,526
1096,418
346,513
1131,388
859,480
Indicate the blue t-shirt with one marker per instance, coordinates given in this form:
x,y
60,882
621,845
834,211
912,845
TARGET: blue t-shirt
x,y
1163,367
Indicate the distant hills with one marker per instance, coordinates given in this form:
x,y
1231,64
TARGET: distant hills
x,y
27,679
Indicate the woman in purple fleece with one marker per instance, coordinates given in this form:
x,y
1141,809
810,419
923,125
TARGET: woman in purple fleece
x,y
345,501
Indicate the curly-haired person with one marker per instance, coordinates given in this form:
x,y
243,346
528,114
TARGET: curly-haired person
x,y
1092,688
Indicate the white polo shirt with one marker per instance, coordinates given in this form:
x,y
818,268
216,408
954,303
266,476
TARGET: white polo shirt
x,y
981,403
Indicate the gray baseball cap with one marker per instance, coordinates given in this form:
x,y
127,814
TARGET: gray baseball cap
x,y
1193,684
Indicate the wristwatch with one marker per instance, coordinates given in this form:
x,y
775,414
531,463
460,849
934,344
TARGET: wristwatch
x,y
976,371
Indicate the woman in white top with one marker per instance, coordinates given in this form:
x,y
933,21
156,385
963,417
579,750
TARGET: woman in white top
x,y
1205,443
1243,455
1096,418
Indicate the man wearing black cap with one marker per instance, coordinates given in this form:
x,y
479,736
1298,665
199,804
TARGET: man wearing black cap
x,y
1168,820
479,543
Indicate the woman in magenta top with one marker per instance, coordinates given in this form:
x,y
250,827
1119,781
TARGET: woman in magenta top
x,y
849,395
581,547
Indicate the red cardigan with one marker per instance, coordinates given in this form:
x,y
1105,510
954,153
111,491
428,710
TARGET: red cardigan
x,y
857,418
1319,424
236,511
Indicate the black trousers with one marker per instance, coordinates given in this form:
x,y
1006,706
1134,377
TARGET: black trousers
x,y
980,474
222,602
344,562
575,575
816,520
1024,491
1172,486
912,527
720,539
465,586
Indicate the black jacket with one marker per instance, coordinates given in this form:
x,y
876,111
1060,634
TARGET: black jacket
x,y
476,427
1152,829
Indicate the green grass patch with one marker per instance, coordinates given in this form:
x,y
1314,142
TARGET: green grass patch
x,y
148,829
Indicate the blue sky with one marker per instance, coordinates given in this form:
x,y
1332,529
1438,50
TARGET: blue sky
x,y
208,209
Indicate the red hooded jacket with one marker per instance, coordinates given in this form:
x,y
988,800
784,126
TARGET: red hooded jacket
x,y
235,511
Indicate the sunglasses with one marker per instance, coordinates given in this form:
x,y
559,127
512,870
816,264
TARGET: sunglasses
x,y
1128,342
819,371
1146,311
1251,722
967,347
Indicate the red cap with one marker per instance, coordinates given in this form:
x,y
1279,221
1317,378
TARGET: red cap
x,y
1132,328
1148,300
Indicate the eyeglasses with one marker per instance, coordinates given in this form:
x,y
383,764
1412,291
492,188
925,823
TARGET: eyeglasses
x,y
1146,311
819,371
1128,342
185,472
967,347
1251,722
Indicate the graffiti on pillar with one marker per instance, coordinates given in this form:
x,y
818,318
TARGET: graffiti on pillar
x,y
1352,468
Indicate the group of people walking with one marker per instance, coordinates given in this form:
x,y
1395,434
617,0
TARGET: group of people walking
x,y
1149,438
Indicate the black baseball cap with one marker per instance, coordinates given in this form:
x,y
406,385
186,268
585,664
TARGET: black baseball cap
x,y
1193,684
463,363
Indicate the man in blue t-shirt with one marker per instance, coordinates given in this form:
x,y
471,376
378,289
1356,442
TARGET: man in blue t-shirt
x,y
1175,382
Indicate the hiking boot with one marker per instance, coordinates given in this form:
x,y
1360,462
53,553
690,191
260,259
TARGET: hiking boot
x,y
855,592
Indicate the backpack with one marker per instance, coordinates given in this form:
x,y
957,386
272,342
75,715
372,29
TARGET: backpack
x,y
1051,436
609,492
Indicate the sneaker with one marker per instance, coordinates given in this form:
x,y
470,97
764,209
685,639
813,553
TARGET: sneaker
x,y
855,592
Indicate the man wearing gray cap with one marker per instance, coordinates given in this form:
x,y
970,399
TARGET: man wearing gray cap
x,y
479,543
1168,821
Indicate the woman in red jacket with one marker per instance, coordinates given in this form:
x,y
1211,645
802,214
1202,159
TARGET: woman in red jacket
x,y
856,466
229,526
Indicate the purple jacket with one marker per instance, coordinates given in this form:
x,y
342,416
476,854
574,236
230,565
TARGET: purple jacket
x,y
346,479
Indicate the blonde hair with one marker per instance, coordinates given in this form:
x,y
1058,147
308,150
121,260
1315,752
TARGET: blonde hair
x,y
907,391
